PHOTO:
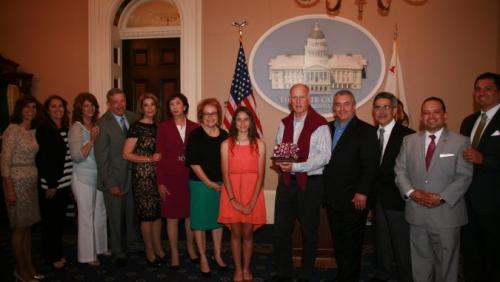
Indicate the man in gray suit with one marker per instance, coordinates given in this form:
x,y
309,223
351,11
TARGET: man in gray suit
x,y
433,176
114,175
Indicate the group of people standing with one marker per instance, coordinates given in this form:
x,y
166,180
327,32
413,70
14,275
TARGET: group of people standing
x,y
127,172
433,192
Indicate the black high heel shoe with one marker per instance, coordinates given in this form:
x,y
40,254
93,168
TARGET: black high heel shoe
x,y
192,260
154,263
206,274
220,267
161,260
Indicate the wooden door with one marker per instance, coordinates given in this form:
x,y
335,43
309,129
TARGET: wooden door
x,y
151,65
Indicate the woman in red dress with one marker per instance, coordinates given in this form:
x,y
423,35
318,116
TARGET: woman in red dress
x,y
173,175
242,206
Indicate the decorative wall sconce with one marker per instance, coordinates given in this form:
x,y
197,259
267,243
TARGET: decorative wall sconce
x,y
333,6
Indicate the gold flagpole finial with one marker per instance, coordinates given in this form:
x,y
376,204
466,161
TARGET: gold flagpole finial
x,y
239,26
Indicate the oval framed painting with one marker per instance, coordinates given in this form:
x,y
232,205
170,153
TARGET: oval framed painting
x,y
326,53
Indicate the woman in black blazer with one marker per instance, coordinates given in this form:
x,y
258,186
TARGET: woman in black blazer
x,y
55,167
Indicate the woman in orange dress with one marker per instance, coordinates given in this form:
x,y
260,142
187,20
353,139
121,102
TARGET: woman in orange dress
x,y
242,206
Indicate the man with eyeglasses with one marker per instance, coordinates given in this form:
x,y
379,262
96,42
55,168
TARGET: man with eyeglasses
x,y
392,233
480,238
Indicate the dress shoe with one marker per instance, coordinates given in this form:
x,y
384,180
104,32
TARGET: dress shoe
x,y
38,276
20,279
120,262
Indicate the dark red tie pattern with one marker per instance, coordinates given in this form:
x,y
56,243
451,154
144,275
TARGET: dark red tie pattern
x,y
430,151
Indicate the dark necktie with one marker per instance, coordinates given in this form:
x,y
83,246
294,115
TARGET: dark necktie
x,y
123,125
430,151
381,143
479,130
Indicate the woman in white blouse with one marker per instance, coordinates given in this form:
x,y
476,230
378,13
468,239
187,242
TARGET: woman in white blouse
x,y
92,230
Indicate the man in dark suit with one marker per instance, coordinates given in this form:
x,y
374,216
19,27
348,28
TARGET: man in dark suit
x,y
348,183
114,176
480,238
392,232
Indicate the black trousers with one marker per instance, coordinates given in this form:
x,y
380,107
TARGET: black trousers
x,y
480,248
392,243
348,229
292,203
53,212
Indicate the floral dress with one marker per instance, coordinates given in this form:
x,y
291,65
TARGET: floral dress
x,y
144,187
19,148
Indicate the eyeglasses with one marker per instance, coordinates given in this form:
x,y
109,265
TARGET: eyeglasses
x,y
210,114
382,107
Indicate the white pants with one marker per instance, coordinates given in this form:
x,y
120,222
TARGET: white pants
x,y
92,229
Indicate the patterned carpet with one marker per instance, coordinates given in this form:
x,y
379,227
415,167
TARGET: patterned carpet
x,y
137,270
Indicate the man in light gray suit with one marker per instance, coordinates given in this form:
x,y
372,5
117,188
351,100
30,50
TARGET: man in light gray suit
x,y
433,176
114,175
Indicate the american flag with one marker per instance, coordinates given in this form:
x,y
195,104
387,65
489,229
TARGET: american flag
x,y
241,93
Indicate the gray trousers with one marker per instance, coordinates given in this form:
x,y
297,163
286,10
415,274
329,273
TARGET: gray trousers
x,y
123,224
392,243
434,253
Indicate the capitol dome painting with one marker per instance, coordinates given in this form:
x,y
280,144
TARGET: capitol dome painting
x,y
325,53
317,68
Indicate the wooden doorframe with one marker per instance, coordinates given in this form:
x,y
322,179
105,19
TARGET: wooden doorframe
x,y
102,34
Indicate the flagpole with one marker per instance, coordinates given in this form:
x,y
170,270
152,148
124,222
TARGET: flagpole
x,y
241,92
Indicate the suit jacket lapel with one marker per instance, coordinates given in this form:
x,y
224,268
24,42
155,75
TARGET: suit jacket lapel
x,y
492,126
390,143
346,134
116,125
440,147
421,150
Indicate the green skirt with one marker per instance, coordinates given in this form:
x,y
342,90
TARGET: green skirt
x,y
204,206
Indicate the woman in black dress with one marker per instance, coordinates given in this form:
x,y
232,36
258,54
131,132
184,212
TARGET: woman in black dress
x,y
139,148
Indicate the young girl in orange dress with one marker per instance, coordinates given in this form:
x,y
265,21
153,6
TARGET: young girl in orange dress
x,y
242,206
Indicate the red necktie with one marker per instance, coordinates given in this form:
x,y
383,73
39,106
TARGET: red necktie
x,y
430,151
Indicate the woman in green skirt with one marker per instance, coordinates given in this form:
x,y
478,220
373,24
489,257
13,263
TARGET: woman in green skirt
x,y
205,179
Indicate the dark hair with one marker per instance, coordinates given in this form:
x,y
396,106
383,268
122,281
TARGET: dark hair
x,y
78,106
437,99
46,105
345,92
21,103
401,116
388,96
141,100
112,92
253,134
181,97
212,102
489,75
